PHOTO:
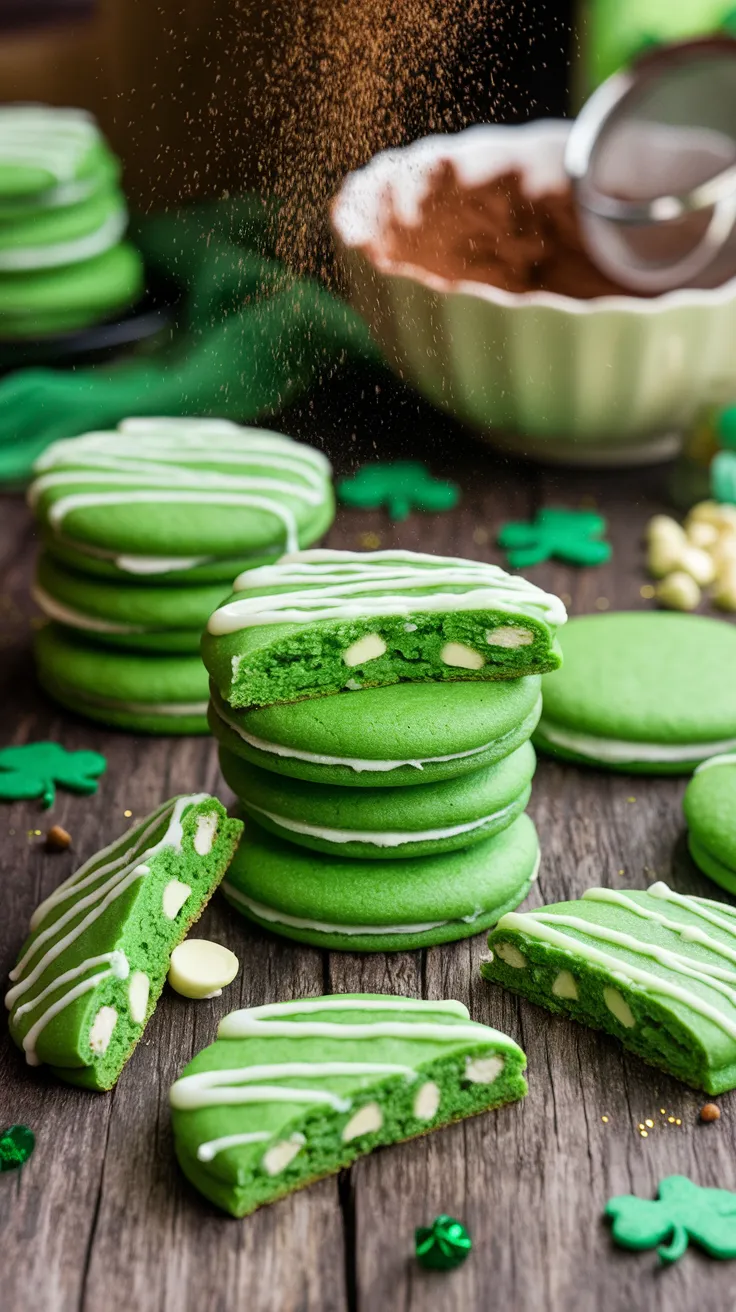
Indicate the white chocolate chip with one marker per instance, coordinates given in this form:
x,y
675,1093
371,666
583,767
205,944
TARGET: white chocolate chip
x,y
353,685
365,1121
565,986
710,512
663,528
138,991
700,534
175,895
619,1007
725,592
664,556
205,833
465,658
200,969
510,954
483,1070
367,648
679,591
277,1158
509,635
698,564
427,1101
723,553
101,1030
410,628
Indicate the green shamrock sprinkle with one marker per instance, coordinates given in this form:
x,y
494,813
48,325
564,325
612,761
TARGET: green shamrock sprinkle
x,y
401,487
443,1245
683,1211
574,536
723,477
16,1145
34,769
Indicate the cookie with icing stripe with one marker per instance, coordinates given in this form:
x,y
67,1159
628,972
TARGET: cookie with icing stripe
x,y
710,810
322,621
179,499
408,733
384,823
50,157
357,904
646,691
58,237
657,969
91,970
294,1091
61,299
148,692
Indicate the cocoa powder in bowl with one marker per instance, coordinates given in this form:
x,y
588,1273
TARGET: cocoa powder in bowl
x,y
495,233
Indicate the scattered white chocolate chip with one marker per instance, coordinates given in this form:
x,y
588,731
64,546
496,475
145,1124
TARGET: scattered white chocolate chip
x,y
564,986
664,528
427,1101
723,553
410,628
698,564
679,591
724,594
174,896
483,1070
204,834
710,512
703,535
465,658
663,556
509,635
277,1158
353,685
509,953
365,1121
138,991
367,648
200,969
619,1007
101,1030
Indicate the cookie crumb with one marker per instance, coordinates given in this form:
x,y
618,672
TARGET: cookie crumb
x,y
57,839
710,1112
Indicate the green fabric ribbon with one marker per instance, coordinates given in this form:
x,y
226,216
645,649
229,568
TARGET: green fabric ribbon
x,y
250,339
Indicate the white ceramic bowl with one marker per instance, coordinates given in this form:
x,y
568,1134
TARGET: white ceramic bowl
x,y
610,381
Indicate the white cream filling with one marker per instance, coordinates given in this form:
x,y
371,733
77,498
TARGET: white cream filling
x,y
18,258
56,610
141,708
618,751
389,838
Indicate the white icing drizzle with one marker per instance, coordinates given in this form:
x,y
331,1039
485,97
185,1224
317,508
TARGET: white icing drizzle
x,y
338,1002
77,619
118,968
210,1088
15,259
321,926
208,1151
690,933
358,764
726,759
387,838
143,708
45,137
337,585
617,751
158,461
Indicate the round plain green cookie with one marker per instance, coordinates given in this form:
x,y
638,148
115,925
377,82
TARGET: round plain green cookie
x,y
407,733
142,616
385,823
386,906
48,301
644,691
142,692
180,499
710,810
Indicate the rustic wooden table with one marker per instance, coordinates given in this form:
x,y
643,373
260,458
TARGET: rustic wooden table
x,y
102,1217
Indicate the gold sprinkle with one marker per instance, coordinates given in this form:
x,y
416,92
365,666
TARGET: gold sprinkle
x,y
630,799
370,541
481,535
644,1134
678,1121
663,1110
648,591
127,814
34,833
671,1120
649,1123
605,1120
641,1125
602,603
622,872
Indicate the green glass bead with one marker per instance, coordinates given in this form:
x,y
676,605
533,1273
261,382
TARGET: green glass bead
x,y
16,1145
443,1245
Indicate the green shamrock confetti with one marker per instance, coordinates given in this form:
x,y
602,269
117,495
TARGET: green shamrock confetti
x,y
34,769
401,487
16,1145
443,1245
574,536
683,1211
723,477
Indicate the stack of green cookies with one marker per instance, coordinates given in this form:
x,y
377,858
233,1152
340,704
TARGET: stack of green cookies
x,y
142,531
63,261
374,713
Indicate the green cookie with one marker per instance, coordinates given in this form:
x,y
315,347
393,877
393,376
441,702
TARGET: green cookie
x,y
150,617
385,823
141,691
710,810
409,733
91,971
50,301
644,691
354,905
49,156
294,1091
656,969
179,499
52,238
321,621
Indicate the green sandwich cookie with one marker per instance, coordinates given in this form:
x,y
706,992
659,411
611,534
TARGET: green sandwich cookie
x,y
50,157
384,823
656,969
145,692
644,691
293,1091
64,299
125,614
409,733
710,810
91,971
52,238
322,621
362,905
179,500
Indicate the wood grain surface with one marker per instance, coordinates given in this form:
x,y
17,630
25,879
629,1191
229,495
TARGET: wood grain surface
x,y
101,1217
